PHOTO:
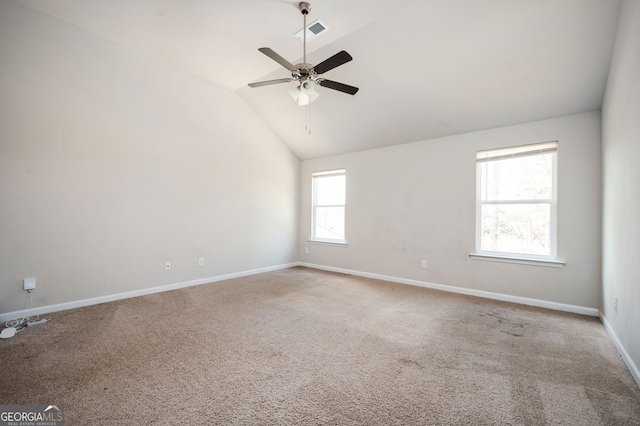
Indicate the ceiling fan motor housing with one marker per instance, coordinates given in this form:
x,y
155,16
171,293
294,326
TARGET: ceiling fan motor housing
x,y
304,70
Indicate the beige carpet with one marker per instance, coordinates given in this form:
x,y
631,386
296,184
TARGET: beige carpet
x,y
305,347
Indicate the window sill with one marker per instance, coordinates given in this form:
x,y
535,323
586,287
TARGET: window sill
x,y
329,243
520,260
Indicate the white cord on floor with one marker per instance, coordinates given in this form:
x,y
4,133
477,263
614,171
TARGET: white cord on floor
x,y
20,323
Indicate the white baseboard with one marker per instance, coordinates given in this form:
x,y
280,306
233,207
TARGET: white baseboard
x,y
142,292
633,368
470,292
479,293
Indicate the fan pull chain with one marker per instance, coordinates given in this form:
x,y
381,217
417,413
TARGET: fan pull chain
x,y
307,126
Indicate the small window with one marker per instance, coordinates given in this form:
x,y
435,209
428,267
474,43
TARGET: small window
x,y
516,201
328,209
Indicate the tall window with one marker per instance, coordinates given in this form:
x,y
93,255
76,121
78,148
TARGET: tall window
x,y
516,201
328,206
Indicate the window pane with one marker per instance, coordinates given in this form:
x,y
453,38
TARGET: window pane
x,y
330,190
330,223
516,228
519,178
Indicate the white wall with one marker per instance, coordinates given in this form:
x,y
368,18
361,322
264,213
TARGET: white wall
x,y
417,201
112,163
621,187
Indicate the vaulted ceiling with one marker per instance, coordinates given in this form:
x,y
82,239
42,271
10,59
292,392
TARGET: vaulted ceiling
x,y
425,68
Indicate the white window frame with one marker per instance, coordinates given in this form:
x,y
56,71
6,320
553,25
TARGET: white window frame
x,y
512,257
314,205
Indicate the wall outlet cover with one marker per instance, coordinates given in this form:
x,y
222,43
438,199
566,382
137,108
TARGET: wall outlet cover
x,y
29,284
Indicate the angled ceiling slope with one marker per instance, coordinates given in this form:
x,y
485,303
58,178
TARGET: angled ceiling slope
x,y
425,69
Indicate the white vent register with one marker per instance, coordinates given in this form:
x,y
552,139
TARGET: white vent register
x,y
314,29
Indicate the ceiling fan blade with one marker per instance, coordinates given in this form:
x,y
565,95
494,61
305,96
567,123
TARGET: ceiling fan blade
x,y
279,59
268,82
338,86
336,60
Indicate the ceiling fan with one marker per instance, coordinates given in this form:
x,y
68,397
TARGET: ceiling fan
x,y
307,75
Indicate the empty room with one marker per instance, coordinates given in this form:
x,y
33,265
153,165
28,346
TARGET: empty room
x,y
271,212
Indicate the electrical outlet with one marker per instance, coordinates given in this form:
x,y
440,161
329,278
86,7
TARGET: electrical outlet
x,y
615,303
200,261
29,284
306,250
424,264
167,266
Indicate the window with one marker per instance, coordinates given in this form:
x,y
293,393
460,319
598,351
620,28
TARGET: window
x,y
328,206
516,201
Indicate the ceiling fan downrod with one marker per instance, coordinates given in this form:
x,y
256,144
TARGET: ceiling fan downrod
x,y
305,8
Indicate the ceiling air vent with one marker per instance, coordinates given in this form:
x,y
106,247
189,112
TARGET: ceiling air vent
x,y
314,29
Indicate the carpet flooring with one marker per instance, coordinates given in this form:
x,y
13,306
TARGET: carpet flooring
x,y
307,347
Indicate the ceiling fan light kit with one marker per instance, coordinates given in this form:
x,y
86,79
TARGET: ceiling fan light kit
x,y
305,93
306,75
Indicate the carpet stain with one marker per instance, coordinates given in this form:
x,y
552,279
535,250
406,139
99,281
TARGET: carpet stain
x,y
411,363
510,333
495,315
514,328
